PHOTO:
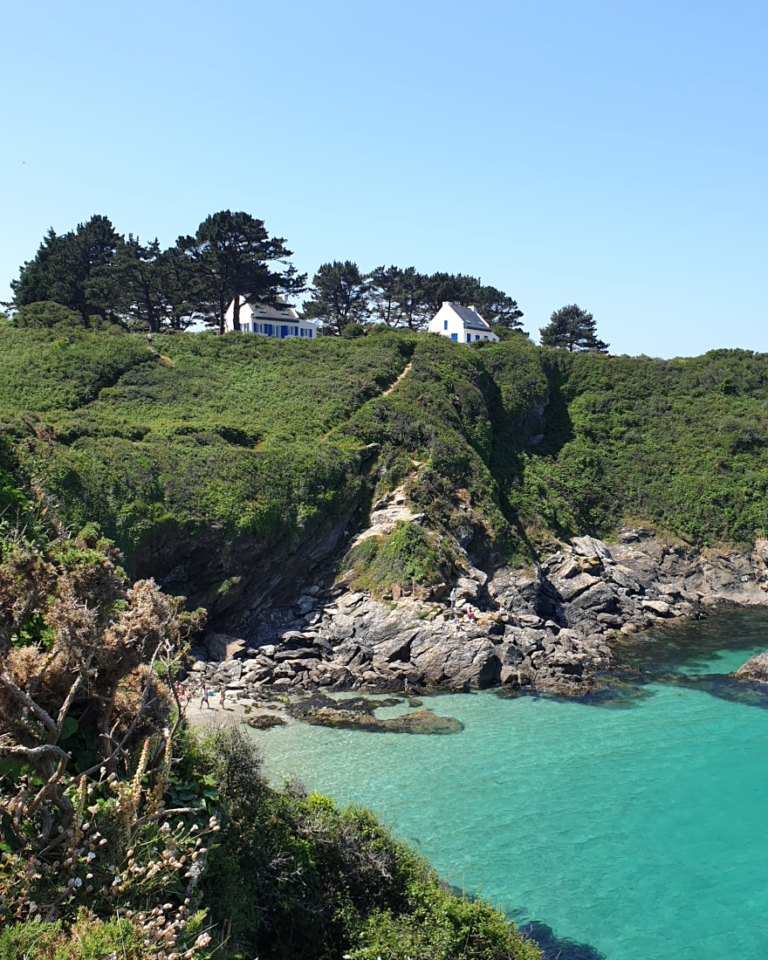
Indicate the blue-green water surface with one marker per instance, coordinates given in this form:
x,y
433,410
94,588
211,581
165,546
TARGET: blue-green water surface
x,y
636,828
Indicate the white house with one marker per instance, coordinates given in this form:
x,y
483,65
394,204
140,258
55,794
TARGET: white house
x,y
280,321
462,324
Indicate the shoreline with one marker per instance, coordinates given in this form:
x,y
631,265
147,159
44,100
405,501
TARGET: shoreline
x,y
546,628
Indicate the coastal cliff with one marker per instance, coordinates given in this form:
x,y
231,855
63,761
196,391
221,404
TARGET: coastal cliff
x,y
547,628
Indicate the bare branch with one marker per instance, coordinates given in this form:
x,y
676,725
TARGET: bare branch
x,y
47,788
28,702
70,697
36,755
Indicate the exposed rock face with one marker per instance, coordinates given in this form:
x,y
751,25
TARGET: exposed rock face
x,y
544,628
754,669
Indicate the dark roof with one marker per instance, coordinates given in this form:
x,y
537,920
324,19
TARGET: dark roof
x,y
470,318
264,311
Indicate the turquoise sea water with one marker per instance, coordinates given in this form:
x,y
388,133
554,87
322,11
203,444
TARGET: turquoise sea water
x,y
636,828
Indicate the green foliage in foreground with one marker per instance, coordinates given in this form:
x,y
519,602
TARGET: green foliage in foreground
x,y
292,877
159,842
86,939
296,876
282,440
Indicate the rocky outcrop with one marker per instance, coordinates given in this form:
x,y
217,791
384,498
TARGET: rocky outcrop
x,y
545,628
358,714
754,669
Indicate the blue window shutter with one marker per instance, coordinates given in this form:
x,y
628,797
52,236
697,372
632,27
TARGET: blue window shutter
x,y
445,324
469,338
454,336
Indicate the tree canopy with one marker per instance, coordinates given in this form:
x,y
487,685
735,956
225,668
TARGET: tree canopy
x,y
400,297
230,258
64,264
572,329
95,271
340,296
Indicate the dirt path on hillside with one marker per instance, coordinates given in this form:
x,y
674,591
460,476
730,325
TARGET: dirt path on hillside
x,y
390,389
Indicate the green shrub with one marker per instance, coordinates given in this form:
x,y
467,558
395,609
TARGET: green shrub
x,y
285,440
46,313
297,876
406,556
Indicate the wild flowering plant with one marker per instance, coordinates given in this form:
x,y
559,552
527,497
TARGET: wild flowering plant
x,y
87,751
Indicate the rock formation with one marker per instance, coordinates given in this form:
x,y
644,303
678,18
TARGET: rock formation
x,y
545,628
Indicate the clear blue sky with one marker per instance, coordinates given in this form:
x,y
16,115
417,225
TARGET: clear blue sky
x,y
611,154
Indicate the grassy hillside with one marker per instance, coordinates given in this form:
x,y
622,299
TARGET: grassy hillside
x,y
280,441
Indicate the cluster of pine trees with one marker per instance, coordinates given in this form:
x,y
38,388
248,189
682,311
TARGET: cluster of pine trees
x,y
95,272
343,295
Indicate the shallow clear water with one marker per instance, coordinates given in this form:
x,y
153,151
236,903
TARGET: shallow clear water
x,y
639,832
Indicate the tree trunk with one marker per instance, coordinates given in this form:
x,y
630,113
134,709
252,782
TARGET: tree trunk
x,y
236,313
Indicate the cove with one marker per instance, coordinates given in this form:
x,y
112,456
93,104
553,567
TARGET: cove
x,y
634,826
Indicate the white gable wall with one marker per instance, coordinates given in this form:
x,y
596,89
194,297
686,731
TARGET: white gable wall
x,y
449,323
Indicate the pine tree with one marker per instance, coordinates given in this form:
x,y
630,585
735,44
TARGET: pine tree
x,y
398,297
64,264
230,258
340,296
572,329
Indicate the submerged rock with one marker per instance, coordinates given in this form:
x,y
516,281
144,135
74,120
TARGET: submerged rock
x,y
357,714
420,721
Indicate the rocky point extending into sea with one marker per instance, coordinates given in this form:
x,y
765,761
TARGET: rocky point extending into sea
x,y
545,628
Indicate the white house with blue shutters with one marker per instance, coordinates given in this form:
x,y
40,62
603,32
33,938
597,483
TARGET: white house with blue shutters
x,y
462,324
280,321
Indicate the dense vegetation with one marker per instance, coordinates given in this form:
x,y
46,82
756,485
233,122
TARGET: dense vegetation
x,y
342,295
123,833
501,444
98,274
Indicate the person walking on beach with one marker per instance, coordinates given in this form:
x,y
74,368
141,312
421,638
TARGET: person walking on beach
x,y
223,697
204,697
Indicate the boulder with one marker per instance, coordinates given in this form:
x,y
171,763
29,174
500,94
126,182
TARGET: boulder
x,y
589,547
531,621
479,575
300,653
466,588
599,598
622,577
233,669
304,604
754,669
221,646
343,626
572,588
398,648
657,606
